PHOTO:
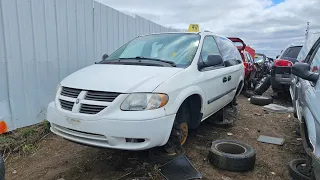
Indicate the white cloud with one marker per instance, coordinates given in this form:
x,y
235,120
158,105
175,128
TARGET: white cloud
x,y
265,26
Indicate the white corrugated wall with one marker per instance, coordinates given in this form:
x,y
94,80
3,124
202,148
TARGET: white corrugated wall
x,y
43,41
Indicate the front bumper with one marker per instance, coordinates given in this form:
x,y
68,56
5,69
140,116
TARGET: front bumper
x,y
109,133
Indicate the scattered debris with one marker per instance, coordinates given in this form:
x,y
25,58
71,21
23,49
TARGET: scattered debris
x,y
179,168
299,139
275,108
61,179
247,129
273,173
257,114
270,140
225,178
14,172
229,134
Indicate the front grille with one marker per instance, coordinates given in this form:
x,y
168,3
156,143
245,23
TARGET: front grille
x,y
67,105
91,109
70,92
101,96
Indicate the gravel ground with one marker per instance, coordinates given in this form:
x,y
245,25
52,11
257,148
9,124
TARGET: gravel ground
x,y
58,158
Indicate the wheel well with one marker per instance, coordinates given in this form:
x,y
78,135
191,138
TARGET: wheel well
x,y
194,105
239,87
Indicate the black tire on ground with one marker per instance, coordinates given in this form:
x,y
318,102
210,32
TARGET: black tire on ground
x,y
160,156
263,85
2,169
261,100
232,155
248,94
298,170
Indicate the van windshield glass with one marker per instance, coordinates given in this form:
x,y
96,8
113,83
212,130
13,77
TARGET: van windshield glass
x,y
179,48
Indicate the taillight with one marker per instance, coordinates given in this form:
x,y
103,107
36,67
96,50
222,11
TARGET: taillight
x,y
283,63
245,64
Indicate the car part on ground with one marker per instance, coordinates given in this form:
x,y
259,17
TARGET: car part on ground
x,y
2,168
298,170
261,100
232,155
160,156
263,85
275,108
224,117
271,140
248,93
263,65
179,168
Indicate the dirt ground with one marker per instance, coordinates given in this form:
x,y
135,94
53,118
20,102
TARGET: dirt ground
x,y
58,158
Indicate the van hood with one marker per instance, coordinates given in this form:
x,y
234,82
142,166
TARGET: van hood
x,y
119,78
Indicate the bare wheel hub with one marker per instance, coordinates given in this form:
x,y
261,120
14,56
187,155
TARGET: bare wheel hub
x,y
184,133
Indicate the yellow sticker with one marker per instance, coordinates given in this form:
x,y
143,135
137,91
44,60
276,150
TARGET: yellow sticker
x,y
174,54
194,28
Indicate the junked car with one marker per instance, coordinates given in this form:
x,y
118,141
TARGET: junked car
x,y
281,70
248,62
150,91
306,98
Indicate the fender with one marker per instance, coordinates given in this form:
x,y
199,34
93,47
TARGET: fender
x,y
177,97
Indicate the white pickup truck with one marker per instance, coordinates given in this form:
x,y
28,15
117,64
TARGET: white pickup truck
x,y
152,85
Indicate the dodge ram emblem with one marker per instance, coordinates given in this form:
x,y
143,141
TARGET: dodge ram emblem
x,y
77,101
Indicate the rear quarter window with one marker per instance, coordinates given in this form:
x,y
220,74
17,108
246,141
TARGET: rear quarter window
x,y
229,51
292,52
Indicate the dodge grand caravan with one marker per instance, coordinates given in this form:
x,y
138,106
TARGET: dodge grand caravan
x,y
149,89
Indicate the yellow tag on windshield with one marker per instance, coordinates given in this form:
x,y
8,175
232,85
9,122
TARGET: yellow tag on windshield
x,y
256,56
194,28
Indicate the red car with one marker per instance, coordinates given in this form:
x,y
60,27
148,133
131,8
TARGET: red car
x,y
247,54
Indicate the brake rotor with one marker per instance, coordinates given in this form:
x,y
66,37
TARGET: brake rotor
x,y
184,133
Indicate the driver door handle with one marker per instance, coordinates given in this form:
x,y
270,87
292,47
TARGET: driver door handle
x,y
224,79
229,78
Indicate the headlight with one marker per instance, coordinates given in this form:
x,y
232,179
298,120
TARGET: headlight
x,y
144,101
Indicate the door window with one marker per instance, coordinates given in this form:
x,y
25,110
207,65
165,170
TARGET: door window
x,y
315,63
209,48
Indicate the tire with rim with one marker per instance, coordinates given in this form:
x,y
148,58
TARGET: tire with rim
x,y
263,85
298,170
232,155
182,121
2,169
261,100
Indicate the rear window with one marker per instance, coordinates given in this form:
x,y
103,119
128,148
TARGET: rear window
x,y
292,52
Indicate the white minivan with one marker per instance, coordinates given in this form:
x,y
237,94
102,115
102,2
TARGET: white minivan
x,y
151,86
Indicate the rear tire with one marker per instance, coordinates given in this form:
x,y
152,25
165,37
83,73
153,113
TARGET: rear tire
x,y
298,170
261,100
263,85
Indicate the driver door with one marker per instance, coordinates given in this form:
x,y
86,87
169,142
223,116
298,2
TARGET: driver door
x,y
213,80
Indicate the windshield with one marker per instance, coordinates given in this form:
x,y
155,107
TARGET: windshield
x,y
258,58
179,48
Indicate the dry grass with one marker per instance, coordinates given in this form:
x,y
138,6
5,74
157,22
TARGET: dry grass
x,y
23,140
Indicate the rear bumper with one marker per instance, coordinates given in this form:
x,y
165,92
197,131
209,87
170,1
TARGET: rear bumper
x,y
280,84
108,133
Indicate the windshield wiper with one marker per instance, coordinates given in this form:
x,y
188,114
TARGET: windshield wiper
x,y
153,59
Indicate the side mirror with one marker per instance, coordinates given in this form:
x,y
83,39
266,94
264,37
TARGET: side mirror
x,y
104,57
302,70
214,60
277,57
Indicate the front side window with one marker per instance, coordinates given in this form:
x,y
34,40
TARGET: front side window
x,y
315,64
179,48
209,48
